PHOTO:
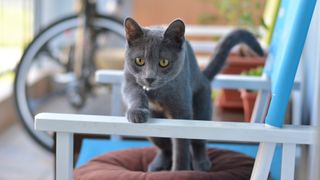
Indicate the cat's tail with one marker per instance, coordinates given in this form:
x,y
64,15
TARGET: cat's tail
x,y
224,47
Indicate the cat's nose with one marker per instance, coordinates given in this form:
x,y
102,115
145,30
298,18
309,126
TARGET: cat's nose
x,y
150,80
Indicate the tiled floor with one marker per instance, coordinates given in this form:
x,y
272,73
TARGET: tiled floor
x,y
21,158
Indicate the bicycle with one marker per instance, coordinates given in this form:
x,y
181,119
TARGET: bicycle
x,y
60,63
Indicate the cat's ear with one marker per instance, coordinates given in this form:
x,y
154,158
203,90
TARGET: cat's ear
x,y
175,32
133,30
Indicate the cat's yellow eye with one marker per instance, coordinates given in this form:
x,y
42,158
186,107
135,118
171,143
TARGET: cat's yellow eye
x,y
139,61
164,63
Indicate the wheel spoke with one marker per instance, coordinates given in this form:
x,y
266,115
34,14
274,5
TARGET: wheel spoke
x,y
48,52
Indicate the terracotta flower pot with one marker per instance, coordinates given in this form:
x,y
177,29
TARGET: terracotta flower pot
x,y
248,100
236,64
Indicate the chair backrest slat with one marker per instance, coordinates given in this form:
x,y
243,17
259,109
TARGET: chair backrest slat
x,y
285,51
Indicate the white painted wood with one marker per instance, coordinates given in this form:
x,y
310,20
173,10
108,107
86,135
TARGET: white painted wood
x,y
196,30
116,109
263,161
314,156
64,156
220,81
296,97
260,107
109,76
244,82
312,163
288,161
191,129
302,169
203,46
116,101
297,106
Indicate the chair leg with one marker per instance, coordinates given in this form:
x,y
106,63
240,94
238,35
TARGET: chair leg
x,y
288,161
64,156
312,162
302,165
263,161
116,109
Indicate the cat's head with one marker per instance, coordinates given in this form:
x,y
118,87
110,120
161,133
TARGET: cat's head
x,y
154,56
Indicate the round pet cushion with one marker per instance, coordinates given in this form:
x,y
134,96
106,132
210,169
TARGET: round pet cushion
x,y
132,165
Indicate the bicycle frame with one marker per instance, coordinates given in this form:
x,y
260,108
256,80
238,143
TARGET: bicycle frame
x,y
85,36
84,53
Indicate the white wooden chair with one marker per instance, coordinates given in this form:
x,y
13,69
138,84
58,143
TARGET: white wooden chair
x,y
268,135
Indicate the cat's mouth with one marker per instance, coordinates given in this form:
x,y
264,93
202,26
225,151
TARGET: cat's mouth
x,y
147,86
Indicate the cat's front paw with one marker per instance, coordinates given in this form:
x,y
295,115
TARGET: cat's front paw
x,y
138,115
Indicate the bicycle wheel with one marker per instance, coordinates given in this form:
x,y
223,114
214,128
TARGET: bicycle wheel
x,y
45,69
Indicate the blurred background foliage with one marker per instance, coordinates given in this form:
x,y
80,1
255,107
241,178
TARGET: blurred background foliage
x,y
244,13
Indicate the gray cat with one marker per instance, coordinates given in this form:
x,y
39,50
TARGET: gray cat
x,y
163,80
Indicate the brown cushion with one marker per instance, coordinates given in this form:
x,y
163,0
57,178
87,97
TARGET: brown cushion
x,y
132,165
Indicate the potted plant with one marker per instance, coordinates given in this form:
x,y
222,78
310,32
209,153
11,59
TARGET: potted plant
x,y
236,64
248,97
245,14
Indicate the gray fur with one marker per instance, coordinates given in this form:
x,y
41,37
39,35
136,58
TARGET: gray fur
x,y
179,91
225,45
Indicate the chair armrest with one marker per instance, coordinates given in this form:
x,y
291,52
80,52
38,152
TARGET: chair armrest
x,y
220,81
109,76
191,129
238,82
